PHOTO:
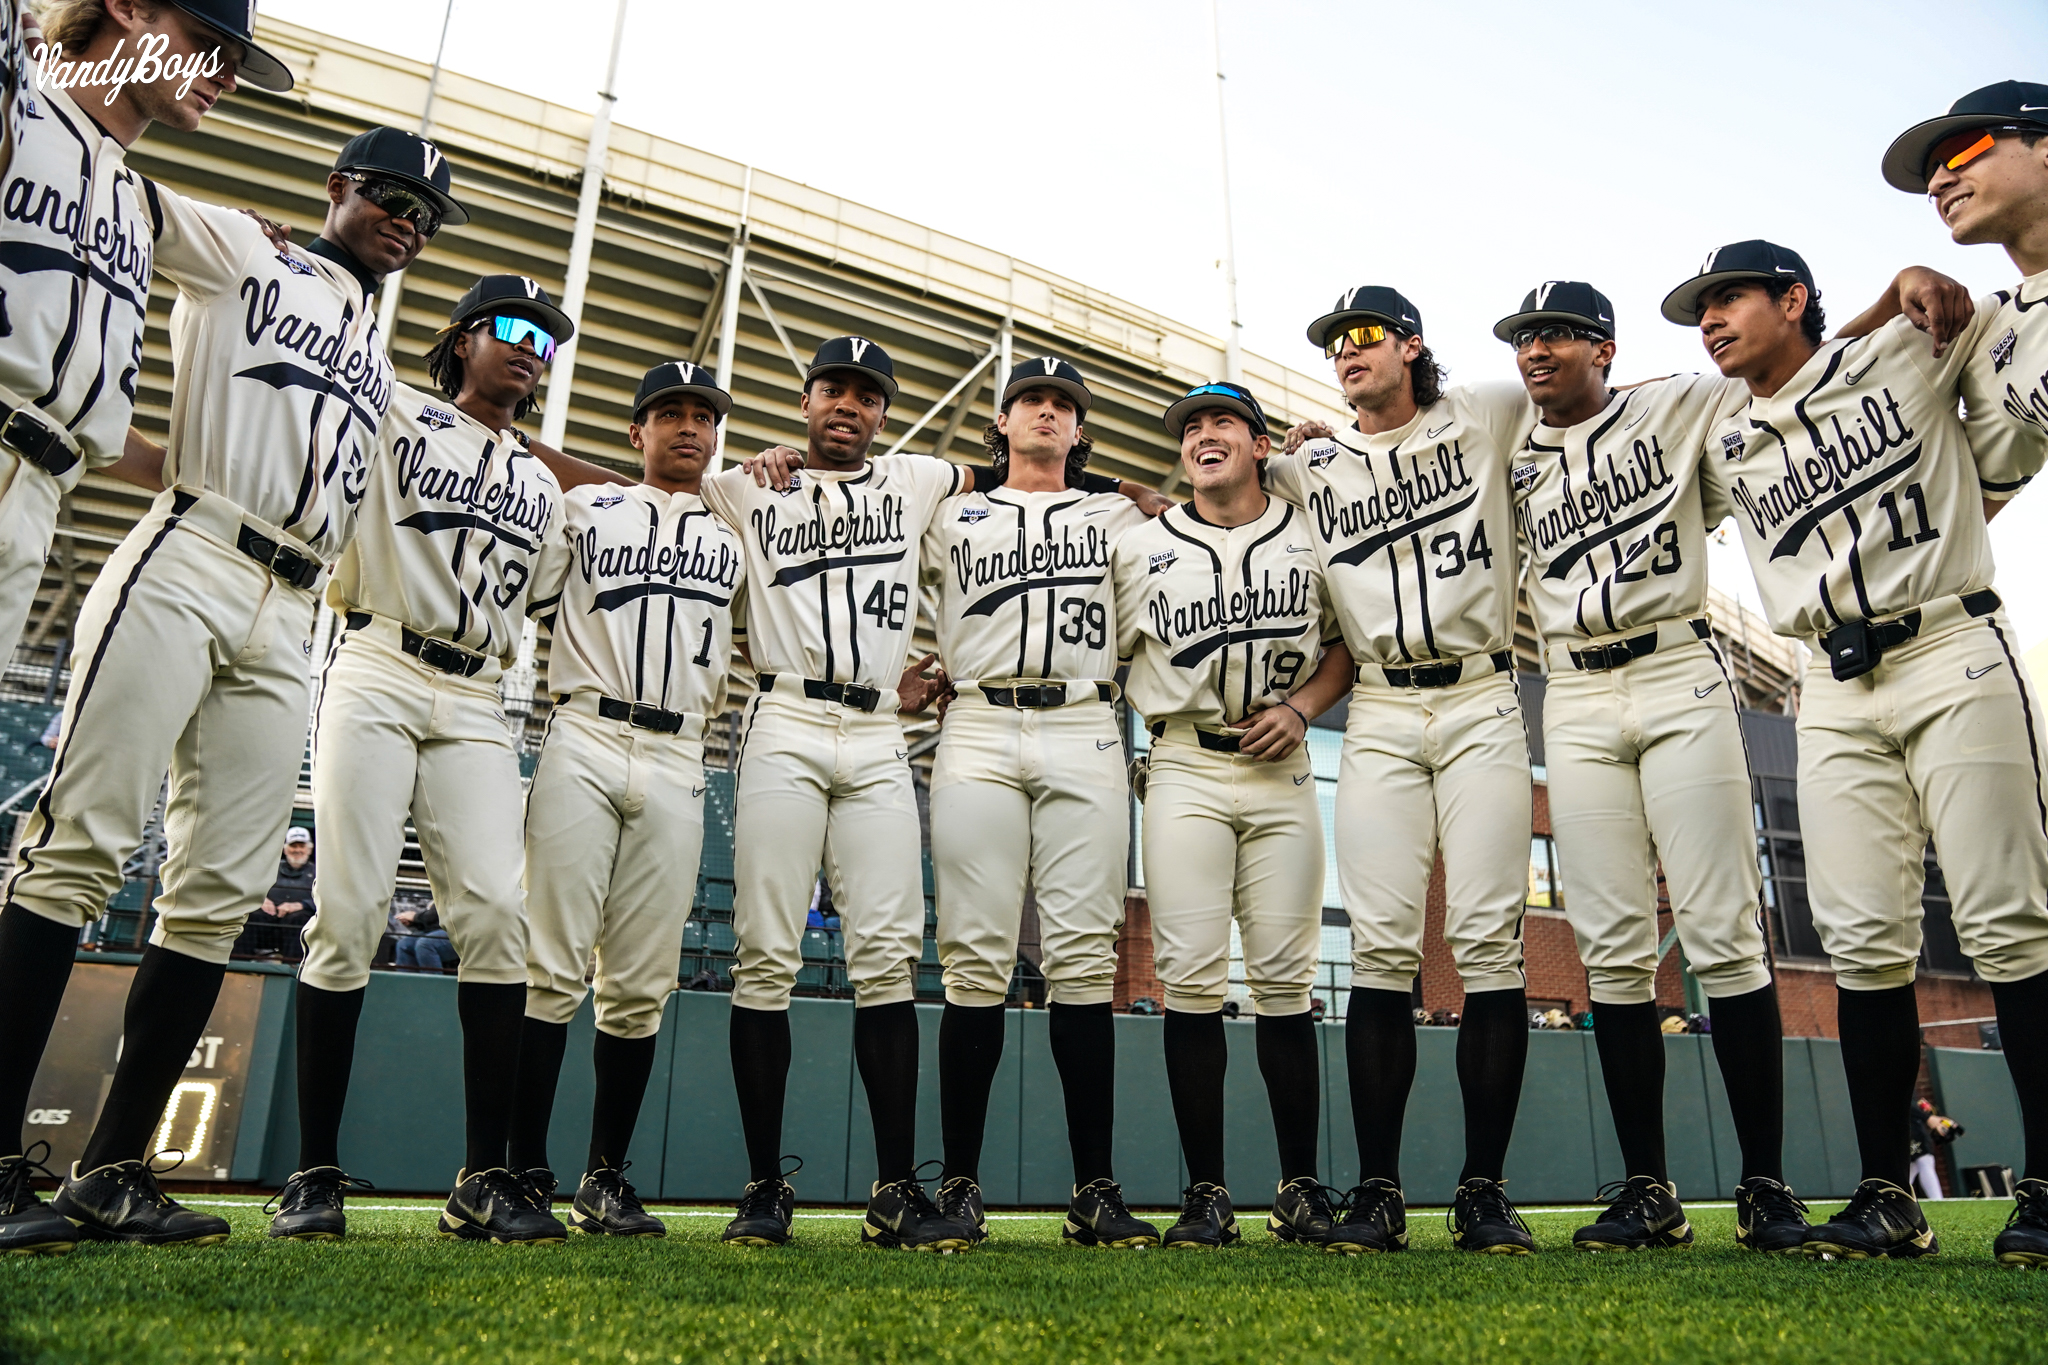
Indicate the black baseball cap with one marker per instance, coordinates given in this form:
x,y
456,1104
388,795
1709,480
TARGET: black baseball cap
x,y
406,157
1048,372
1233,397
236,19
855,353
1368,303
680,376
1751,260
2008,102
513,296
1570,301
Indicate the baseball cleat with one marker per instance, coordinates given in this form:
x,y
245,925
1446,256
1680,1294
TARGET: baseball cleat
x,y
606,1204
540,1185
1882,1221
309,1207
764,1215
120,1202
959,1224
1098,1217
897,1213
1301,1213
1642,1212
1206,1220
2025,1239
1373,1217
28,1226
1483,1219
499,1206
1769,1217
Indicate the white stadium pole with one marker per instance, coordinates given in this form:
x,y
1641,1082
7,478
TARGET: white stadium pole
x,y
729,309
394,283
1233,355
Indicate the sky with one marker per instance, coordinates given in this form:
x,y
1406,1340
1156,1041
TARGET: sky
x,y
1461,152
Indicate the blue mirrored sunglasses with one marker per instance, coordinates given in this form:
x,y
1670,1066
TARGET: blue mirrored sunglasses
x,y
512,331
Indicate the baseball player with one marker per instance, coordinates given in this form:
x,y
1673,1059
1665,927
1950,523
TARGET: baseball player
x,y
1860,503
433,589
1411,515
638,597
1233,649
1028,786
75,265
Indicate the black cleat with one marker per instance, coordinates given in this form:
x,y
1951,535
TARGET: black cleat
x,y
540,1186
959,1224
1301,1213
120,1202
1098,1217
1206,1220
897,1213
1642,1212
28,1226
606,1204
765,1212
1881,1221
499,1206
1373,1217
1483,1219
1770,1218
2025,1239
309,1206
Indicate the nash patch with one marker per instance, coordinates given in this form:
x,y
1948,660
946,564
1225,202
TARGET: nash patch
x,y
434,419
1731,446
293,264
2001,350
971,515
1525,478
1321,453
607,499
1162,561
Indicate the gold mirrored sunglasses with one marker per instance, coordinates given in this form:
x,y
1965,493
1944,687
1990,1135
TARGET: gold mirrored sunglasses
x,y
1369,335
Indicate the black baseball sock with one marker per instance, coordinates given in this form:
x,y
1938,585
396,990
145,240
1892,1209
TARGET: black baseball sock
x,y
1197,1056
759,1040
493,1019
1493,1050
970,1049
1084,1050
1880,1033
326,1051
169,1003
1379,1058
1294,1086
2023,1031
541,1045
1632,1069
885,1048
35,964
623,1066
1749,1043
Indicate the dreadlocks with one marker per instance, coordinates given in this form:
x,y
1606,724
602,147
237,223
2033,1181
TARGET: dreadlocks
x,y
444,367
999,453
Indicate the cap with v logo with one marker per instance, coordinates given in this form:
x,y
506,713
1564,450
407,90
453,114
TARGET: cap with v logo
x,y
680,376
407,157
1048,372
1367,303
1568,301
855,353
2007,103
1752,260
517,296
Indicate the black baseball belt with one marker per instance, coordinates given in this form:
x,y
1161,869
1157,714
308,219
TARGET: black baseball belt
x,y
288,562
1600,658
435,654
859,696
1214,743
1856,647
641,715
27,433
1042,696
1441,674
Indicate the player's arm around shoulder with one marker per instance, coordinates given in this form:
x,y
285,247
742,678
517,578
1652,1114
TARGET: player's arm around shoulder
x,y
557,553
1499,407
202,248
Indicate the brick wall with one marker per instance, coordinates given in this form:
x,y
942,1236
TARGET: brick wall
x,y
1135,978
1806,1000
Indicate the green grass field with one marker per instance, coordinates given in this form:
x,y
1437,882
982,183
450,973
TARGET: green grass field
x,y
395,1292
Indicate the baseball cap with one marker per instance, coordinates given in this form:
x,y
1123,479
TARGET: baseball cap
x,y
408,158
236,19
1572,301
2023,102
680,376
298,834
1751,260
855,353
1232,397
1367,303
1048,372
517,295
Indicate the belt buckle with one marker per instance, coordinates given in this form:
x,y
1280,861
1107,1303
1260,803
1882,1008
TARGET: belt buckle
x,y
293,567
647,716
27,437
1601,658
859,696
446,657
1429,675
1038,696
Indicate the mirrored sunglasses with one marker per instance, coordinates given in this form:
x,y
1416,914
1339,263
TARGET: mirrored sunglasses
x,y
1958,150
400,201
512,331
1369,335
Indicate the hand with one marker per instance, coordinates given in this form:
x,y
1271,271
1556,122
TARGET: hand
x,y
290,908
1311,430
915,691
1934,303
1150,501
268,908
280,234
1272,734
406,917
775,467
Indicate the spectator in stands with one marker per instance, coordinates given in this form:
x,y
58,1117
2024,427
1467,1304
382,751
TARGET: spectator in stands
x,y
273,927
823,915
49,739
423,945
1930,1130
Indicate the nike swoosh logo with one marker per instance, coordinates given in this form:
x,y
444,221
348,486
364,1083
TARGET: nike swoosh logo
x,y
1704,692
1102,744
902,754
1503,710
1432,435
1630,425
1303,778
1975,673
696,791
2032,108
1856,376
1298,549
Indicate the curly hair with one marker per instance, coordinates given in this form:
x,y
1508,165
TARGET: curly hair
x,y
1813,323
444,367
998,446
1427,376
73,23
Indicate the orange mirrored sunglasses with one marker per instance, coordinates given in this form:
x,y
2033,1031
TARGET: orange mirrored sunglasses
x,y
1958,150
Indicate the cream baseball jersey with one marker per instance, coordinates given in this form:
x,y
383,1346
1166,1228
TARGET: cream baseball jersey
x,y
1414,528
1856,491
1218,622
1024,582
831,563
282,376
2005,387
75,251
1612,512
639,596
452,521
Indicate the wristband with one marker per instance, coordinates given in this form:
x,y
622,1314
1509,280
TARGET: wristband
x,y
1297,711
